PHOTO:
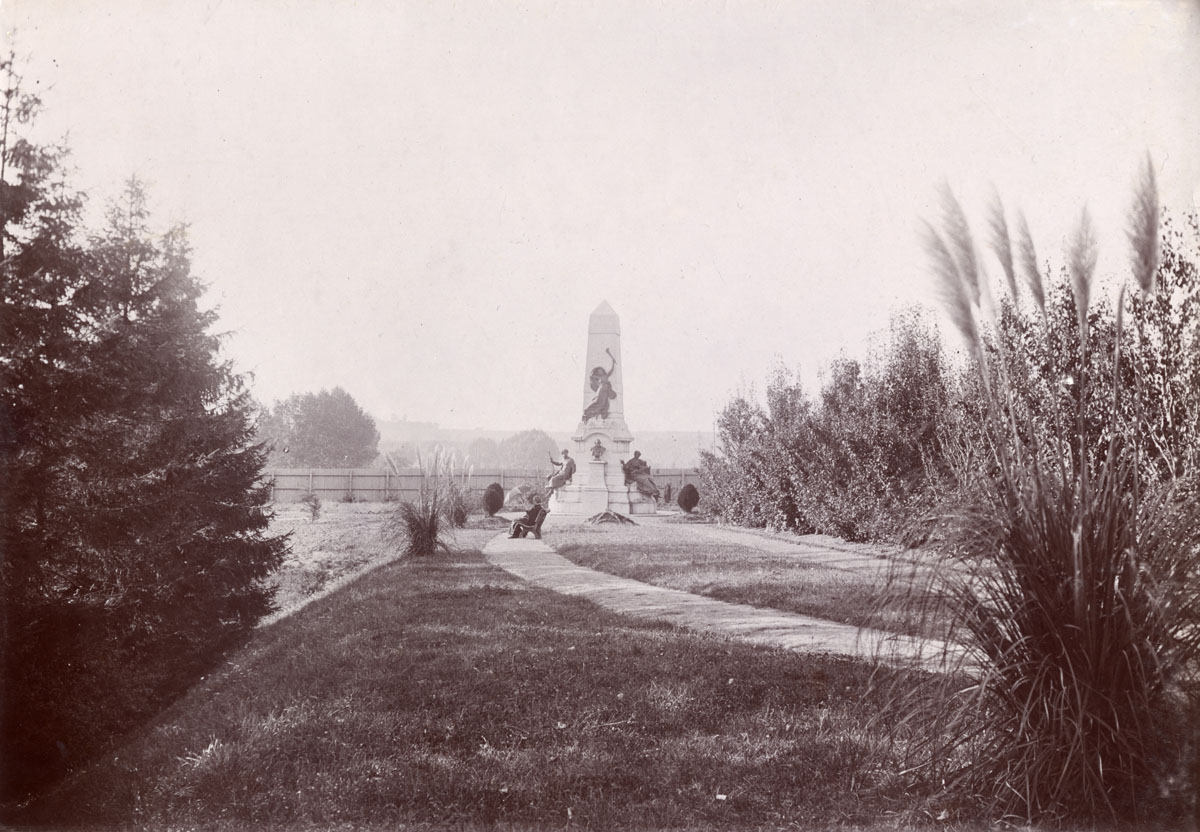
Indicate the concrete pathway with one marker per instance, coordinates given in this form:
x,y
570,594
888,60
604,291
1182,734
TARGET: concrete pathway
x,y
534,561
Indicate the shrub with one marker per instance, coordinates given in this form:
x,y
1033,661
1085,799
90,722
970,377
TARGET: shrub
x,y
858,461
493,498
1072,590
736,477
310,500
688,498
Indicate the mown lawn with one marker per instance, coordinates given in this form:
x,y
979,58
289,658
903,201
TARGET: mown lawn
x,y
679,557
444,692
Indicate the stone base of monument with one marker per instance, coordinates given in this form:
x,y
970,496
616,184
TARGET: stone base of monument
x,y
640,504
598,486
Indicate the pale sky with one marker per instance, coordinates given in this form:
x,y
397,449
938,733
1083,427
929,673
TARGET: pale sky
x,y
422,202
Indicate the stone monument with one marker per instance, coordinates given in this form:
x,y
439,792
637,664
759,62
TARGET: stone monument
x,y
602,438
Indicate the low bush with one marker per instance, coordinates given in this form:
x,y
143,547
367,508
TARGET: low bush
x,y
417,527
313,503
456,486
493,498
689,498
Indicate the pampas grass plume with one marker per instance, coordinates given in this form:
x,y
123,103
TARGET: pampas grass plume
x,y
952,287
1081,263
960,242
1002,243
1143,229
1029,264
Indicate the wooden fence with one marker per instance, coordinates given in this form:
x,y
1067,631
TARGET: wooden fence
x,y
374,485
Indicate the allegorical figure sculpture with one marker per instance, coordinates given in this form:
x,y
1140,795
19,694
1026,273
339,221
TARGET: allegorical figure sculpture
x,y
637,472
601,382
562,473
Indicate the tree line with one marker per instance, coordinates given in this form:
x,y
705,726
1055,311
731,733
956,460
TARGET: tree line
x,y
329,429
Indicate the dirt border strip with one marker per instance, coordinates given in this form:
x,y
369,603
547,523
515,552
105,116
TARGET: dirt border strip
x,y
329,588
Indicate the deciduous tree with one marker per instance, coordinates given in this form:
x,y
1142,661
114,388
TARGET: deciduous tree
x,y
320,430
528,449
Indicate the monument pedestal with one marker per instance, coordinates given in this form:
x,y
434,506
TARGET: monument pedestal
x,y
592,491
598,484
639,503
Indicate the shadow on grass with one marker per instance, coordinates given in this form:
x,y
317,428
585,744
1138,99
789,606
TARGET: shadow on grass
x,y
442,691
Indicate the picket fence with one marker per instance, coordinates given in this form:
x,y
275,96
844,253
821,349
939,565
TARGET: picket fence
x,y
374,485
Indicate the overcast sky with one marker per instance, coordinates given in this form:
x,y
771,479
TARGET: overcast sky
x,y
422,202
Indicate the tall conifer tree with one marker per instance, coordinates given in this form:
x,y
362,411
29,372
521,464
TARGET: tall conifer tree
x,y
133,530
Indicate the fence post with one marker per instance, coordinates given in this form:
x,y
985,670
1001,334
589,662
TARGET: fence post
x,y
387,476
309,480
350,487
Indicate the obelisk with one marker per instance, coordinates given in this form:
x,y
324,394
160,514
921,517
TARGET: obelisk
x,y
602,439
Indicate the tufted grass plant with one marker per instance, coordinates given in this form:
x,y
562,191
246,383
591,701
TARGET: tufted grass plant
x,y
1074,590
418,526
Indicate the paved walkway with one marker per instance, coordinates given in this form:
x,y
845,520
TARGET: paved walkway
x,y
534,561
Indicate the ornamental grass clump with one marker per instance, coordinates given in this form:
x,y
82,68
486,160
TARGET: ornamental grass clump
x,y
458,494
417,525
1071,575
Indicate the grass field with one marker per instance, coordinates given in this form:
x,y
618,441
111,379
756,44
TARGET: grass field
x,y
670,556
443,693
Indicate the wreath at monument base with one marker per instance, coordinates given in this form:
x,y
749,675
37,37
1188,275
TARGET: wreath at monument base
x,y
609,516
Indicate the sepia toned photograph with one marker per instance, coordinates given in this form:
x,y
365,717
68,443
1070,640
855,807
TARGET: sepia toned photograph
x,y
632,415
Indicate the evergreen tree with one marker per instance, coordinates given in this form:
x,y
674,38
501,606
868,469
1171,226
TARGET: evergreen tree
x,y
133,521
